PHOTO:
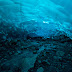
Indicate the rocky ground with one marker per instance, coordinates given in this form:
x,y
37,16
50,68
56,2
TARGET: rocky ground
x,y
33,54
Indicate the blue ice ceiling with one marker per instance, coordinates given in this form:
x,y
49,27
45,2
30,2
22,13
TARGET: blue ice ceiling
x,y
39,17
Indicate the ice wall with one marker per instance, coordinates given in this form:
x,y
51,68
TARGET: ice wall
x,y
44,18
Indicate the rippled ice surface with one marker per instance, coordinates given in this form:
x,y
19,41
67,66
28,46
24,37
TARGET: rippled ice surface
x,y
42,17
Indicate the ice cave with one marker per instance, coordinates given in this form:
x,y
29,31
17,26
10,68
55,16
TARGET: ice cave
x,y
35,35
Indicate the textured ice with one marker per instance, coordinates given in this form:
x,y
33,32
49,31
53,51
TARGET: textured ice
x,y
41,17
35,35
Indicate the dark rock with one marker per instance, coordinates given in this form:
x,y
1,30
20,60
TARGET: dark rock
x,y
35,52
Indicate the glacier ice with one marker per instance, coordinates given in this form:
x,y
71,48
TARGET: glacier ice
x,y
35,36
47,16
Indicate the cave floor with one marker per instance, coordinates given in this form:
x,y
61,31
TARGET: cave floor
x,y
36,55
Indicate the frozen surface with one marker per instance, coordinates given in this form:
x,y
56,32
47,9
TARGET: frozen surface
x,y
41,17
35,35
